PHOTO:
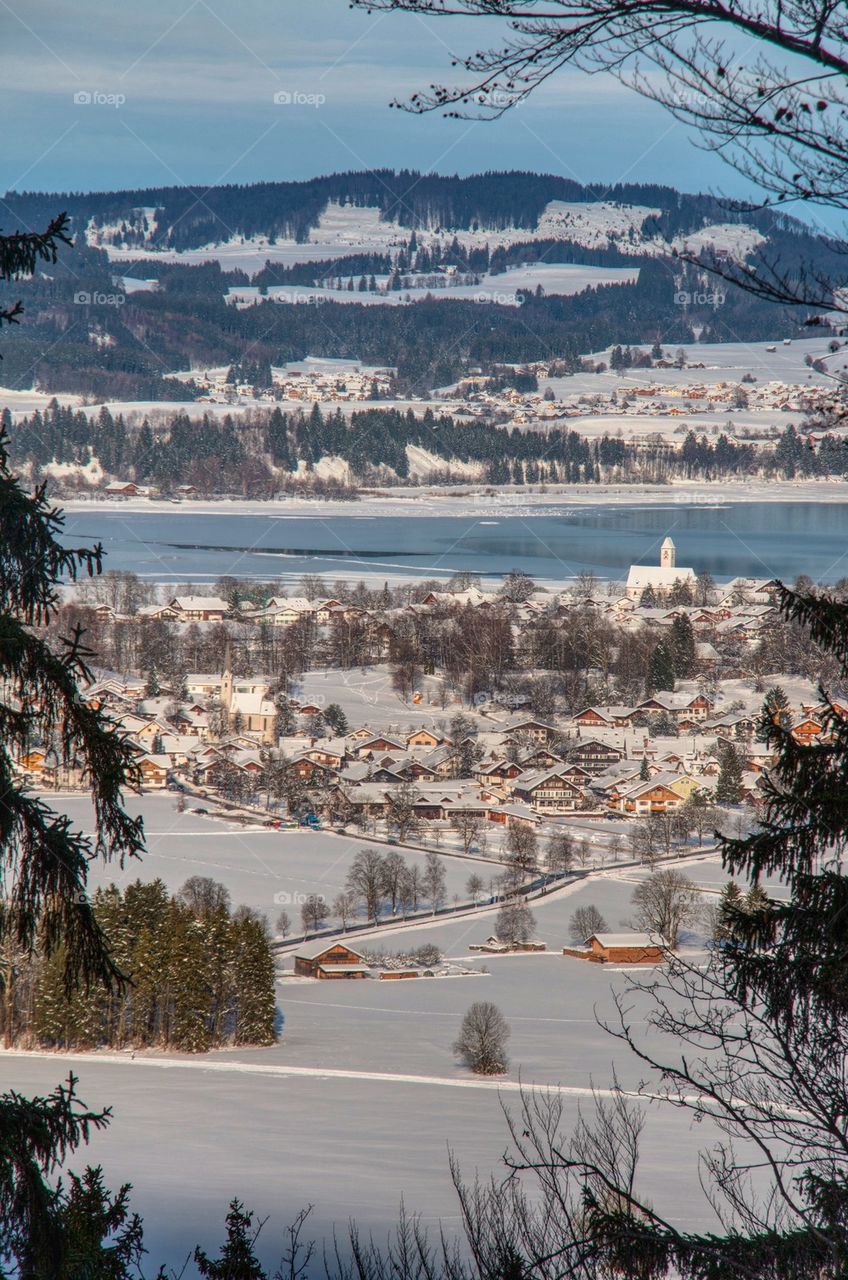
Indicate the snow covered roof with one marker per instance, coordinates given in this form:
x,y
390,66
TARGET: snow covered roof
x,y
641,577
313,950
626,940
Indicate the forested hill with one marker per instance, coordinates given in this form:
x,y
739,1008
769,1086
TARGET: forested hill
x,y
431,275
180,218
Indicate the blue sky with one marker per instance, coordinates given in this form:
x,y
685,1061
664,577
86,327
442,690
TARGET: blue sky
x,y
121,95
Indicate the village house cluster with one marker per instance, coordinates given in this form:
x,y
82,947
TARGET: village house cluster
x,y
318,382
221,733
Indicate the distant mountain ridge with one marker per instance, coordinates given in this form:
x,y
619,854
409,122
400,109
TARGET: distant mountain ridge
x,y
181,218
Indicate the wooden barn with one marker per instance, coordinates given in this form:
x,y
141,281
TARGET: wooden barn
x,y
624,948
335,960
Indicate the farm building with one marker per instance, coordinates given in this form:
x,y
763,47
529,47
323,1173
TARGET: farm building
x,y
333,961
620,948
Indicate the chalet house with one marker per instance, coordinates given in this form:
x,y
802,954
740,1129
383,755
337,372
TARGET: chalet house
x,y
442,760
594,756
653,796
334,961
615,717
281,612
198,608
385,774
374,746
685,785
154,771
696,709
497,771
732,727
540,759
418,771
33,761
124,489
806,730
309,771
332,753
423,738
548,791
575,773
593,718
537,730
203,685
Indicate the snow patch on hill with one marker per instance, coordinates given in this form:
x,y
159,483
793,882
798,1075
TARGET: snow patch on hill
x,y
348,229
422,463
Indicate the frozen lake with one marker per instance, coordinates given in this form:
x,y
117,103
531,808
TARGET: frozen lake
x,y
756,539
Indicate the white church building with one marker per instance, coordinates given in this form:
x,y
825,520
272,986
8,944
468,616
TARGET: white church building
x,y
661,577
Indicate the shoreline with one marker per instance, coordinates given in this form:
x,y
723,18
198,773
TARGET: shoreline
x,y
471,500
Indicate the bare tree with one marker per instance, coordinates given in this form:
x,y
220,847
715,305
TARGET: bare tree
x,y
400,809
284,924
559,853
515,921
522,847
584,922
204,896
482,1040
645,839
468,826
394,867
665,901
344,907
475,885
313,912
365,879
434,882
410,889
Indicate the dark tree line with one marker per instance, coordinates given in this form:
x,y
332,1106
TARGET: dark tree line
x,y
195,976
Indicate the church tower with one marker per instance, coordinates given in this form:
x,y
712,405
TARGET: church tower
x,y
227,684
668,555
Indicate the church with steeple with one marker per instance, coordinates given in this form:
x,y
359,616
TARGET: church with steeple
x,y
661,577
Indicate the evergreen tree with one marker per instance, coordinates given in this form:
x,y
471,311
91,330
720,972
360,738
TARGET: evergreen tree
x,y
188,982
683,646
731,903
335,719
237,1260
105,1240
729,784
661,668
254,982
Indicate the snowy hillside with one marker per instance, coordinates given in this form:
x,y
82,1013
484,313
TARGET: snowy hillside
x,y
343,230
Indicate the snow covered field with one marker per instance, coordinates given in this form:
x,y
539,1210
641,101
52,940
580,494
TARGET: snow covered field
x,y
259,865
350,1147
502,288
362,1098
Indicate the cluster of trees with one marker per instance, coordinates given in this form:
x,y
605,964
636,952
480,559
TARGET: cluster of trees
x,y
265,452
387,882
194,975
